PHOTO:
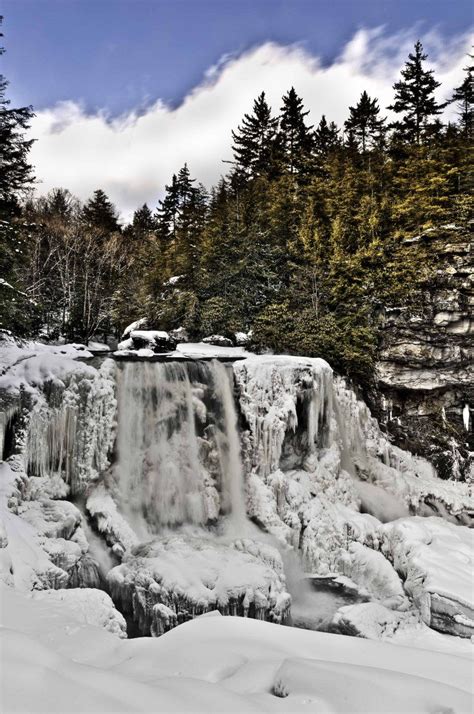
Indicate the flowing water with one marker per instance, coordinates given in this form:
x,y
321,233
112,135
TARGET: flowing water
x,y
178,447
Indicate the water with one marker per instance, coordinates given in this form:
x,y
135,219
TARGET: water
x,y
317,600
178,447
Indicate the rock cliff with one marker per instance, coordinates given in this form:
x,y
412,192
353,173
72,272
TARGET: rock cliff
x,y
424,374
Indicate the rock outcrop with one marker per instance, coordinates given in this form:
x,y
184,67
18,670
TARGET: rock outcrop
x,y
425,367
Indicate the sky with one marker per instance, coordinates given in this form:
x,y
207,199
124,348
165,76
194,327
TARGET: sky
x,y
125,91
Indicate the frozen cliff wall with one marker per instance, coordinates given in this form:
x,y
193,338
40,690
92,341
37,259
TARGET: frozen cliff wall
x,y
57,416
322,477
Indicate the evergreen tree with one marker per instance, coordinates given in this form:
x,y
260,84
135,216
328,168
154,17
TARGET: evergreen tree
x,y
16,173
254,140
295,136
415,100
464,97
167,212
364,123
100,213
143,219
17,310
326,139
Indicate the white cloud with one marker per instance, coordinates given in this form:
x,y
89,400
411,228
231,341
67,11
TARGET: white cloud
x,y
132,158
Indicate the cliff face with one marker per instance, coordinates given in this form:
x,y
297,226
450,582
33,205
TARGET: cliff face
x,y
425,374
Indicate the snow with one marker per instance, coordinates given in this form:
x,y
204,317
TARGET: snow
x,y
218,340
136,325
196,350
31,364
192,574
88,605
373,621
436,560
219,664
97,347
169,511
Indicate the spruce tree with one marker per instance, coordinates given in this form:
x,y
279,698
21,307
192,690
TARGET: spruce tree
x,y
364,122
16,173
99,213
143,219
17,312
464,97
254,140
167,212
326,138
295,136
415,100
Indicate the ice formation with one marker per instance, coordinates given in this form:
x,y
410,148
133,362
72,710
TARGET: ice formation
x,y
168,460
315,456
172,579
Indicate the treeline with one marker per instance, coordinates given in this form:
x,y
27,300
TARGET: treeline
x,y
301,241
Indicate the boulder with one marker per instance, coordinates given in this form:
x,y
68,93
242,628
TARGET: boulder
x,y
218,340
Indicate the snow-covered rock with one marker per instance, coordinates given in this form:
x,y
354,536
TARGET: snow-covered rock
x,y
218,340
88,605
172,579
139,324
157,341
242,338
435,558
180,334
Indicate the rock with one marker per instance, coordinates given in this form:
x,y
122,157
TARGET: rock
x,y
372,620
142,323
435,558
424,368
180,334
218,340
155,340
169,580
242,339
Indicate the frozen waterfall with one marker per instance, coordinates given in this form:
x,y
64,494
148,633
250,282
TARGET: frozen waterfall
x,y
178,448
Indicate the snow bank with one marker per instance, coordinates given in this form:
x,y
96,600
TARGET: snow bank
x,y
218,664
89,606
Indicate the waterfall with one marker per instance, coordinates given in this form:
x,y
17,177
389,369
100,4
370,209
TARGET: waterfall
x,y
231,463
178,448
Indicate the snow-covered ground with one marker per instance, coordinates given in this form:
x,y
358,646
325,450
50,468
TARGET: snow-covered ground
x,y
53,660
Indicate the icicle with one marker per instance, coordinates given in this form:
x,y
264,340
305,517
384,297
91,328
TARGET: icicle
x,y
466,417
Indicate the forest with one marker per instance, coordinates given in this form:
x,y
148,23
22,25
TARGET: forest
x,y
302,243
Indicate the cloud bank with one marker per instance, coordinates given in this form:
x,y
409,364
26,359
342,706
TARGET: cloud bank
x,y
131,158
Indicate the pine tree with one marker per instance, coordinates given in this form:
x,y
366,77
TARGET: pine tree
x,y
364,122
295,136
167,212
254,140
99,213
464,96
17,311
326,139
415,100
143,219
16,173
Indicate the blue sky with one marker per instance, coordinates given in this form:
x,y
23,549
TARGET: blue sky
x,y
126,91
118,55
